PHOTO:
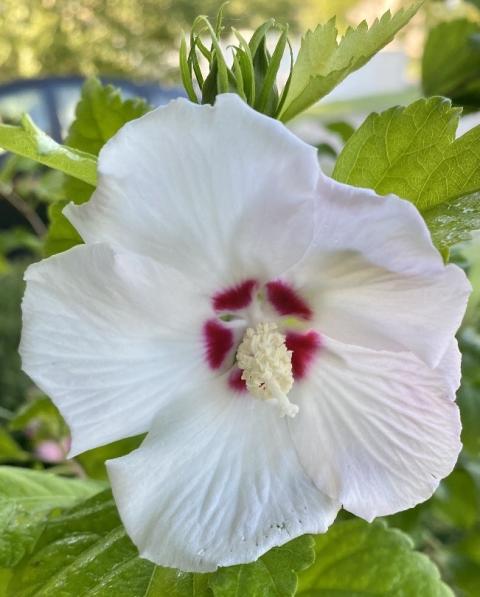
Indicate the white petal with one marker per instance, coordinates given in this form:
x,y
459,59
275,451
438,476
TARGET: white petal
x,y
207,189
376,280
375,430
108,337
217,482
450,367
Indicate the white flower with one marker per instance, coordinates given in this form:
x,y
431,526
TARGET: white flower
x,y
225,283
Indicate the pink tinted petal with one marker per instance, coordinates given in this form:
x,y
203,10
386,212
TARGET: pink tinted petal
x,y
287,301
234,298
374,278
375,429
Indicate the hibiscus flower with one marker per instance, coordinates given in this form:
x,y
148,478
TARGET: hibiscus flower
x,y
286,341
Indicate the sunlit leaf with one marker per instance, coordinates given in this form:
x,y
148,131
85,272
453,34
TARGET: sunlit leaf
x,y
323,62
357,558
413,153
26,499
29,141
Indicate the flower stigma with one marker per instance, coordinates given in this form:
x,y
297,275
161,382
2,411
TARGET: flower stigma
x,y
267,366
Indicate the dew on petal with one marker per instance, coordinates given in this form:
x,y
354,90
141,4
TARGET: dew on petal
x,y
304,347
286,301
218,342
235,297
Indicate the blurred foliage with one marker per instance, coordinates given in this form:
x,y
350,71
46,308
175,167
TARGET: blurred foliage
x,y
13,382
132,38
451,62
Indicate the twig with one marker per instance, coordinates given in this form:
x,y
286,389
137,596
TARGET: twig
x,y
24,208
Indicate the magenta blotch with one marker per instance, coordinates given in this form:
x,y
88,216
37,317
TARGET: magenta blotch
x,y
304,347
235,381
234,298
218,342
286,301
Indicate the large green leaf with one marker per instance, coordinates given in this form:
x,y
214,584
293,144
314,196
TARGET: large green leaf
x,y
100,113
323,62
273,575
359,559
86,552
413,153
451,62
26,499
29,141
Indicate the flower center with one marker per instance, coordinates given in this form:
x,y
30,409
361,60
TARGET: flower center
x,y
267,366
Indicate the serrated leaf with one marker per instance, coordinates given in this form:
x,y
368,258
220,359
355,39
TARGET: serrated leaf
x,y
273,575
358,558
413,153
29,141
61,234
323,62
100,113
452,222
26,499
451,62
85,551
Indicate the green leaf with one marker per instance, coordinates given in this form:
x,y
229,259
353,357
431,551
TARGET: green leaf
x,y
85,551
26,499
452,221
451,62
5,577
61,234
273,575
100,113
40,409
357,558
10,451
323,62
93,461
14,384
29,141
469,394
412,152
456,501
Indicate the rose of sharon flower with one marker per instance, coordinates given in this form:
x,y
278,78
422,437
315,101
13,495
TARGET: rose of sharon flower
x,y
286,341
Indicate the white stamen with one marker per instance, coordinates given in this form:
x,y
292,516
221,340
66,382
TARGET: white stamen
x,y
267,366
